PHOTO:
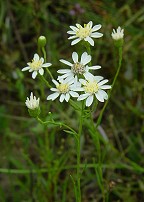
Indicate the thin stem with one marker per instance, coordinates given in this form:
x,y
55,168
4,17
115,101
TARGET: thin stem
x,y
99,173
87,45
113,83
78,153
44,53
45,81
56,124
96,139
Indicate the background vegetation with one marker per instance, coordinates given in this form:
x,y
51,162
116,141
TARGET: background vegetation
x,y
36,162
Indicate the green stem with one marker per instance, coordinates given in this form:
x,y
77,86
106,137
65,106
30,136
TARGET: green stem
x,y
44,53
109,94
96,139
87,45
45,81
56,124
78,154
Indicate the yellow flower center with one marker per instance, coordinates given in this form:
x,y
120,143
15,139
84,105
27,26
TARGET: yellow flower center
x,y
78,68
63,88
35,64
83,32
91,87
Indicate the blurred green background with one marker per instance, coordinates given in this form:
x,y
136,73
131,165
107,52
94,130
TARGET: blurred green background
x,y
26,145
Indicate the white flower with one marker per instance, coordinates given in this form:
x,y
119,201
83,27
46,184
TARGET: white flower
x,y
118,34
36,66
32,102
63,89
85,33
94,86
77,68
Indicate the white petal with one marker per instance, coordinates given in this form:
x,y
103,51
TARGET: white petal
x,y
72,37
63,71
73,94
85,58
53,96
36,57
89,100
83,96
103,94
66,62
90,24
75,29
98,78
75,57
103,82
75,41
70,78
94,67
78,89
99,96
96,27
105,87
34,74
64,76
78,25
67,97
55,82
90,40
71,32
62,97
88,76
25,68
54,89
30,70
42,60
46,65
83,81
41,71
96,35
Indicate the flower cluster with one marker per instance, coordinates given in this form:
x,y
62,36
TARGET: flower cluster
x,y
78,80
78,77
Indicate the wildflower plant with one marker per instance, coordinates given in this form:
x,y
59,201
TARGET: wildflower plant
x,y
79,83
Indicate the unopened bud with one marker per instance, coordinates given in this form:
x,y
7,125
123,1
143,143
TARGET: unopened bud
x,y
118,35
33,106
41,41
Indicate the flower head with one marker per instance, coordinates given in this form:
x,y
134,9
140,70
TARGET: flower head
x,y
77,68
32,103
118,34
94,87
41,41
86,33
36,66
63,89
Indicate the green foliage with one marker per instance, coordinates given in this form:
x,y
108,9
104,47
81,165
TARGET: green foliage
x,y
38,163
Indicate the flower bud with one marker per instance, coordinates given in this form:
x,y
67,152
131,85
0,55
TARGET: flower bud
x,y
118,35
33,106
41,41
